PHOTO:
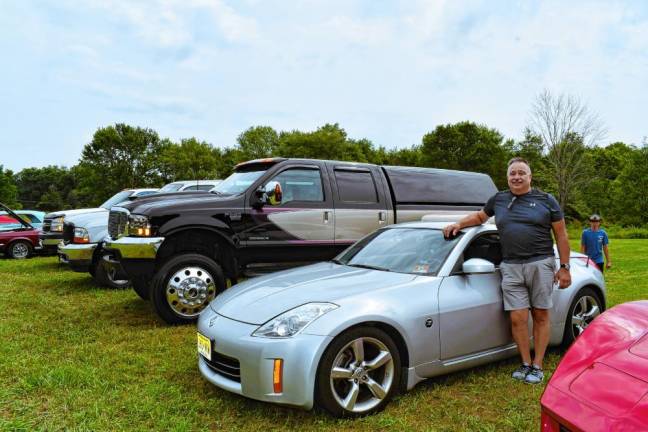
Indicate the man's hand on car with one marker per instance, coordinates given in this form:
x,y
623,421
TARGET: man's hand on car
x,y
450,231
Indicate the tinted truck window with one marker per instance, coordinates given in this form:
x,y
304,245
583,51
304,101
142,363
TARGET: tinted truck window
x,y
301,185
356,186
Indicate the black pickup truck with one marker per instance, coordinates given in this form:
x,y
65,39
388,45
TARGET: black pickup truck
x,y
271,214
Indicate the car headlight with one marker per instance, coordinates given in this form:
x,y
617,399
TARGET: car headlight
x,y
81,236
138,226
57,224
293,321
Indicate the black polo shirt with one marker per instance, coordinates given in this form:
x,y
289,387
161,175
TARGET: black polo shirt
x,y
524,223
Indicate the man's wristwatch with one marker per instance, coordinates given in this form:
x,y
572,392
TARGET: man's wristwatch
x,y
565,266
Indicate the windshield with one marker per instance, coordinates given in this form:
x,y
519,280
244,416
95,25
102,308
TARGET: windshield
x,y
401,250
171,187
238,182
116,199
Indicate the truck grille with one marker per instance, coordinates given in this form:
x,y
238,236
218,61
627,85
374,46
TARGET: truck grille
x,y
117,223
227,367
68,233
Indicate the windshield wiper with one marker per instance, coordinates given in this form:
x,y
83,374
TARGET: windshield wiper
x,y
370,267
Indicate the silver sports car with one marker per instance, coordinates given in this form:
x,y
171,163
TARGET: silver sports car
x,y
401,305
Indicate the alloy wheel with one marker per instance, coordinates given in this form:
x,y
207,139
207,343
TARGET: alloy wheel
x,y
362,374
20,250
585,310
189,291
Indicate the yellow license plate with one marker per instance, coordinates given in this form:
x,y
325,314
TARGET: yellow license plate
x,y
204,346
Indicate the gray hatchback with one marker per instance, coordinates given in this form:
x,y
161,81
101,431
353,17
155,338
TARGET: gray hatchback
x,y
401,305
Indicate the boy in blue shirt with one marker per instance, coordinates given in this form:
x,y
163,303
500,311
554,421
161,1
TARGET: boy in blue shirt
x,y
594,243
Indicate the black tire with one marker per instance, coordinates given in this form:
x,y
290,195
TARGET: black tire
x,y
586,295
20,249
329,391
141,287
178,287
105,276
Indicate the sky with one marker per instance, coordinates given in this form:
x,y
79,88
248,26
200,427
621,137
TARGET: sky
x,y
389,71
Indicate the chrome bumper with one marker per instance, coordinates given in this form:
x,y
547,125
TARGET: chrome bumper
x,y
77,252
135,247
51,241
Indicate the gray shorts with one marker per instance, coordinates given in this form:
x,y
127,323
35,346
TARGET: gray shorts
x,y
528,284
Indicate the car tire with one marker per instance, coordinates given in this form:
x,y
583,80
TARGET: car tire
x,y
105,276
348,384
184,286
20,249
585,306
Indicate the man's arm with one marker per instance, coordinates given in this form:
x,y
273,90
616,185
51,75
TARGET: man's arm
x,y
560,233
472,219
608,261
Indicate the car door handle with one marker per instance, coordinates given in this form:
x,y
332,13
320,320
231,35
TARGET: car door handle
x,y
382,217
327,217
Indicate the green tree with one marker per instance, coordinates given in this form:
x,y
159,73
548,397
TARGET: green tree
x,y
8,189
258,142
466,146
35,183
190,160
118,157
629,190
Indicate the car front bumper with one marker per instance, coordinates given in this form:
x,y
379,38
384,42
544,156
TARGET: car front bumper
x,y
78,256
133,257
255,357
50,240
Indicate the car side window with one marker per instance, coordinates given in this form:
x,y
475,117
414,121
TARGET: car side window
x,y
300,184
190,188
356,186
205,187
486,247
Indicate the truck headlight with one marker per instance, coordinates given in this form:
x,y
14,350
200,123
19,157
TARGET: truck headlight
x,y
81,236
138,226
57,224
293,321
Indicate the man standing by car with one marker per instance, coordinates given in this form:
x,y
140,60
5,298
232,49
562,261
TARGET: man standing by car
x,y
525,218
594,243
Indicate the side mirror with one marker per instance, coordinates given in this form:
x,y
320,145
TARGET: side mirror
x,y
478,265
273,193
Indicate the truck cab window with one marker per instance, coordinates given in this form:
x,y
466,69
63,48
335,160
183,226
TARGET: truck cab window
x,y
300,184
356,186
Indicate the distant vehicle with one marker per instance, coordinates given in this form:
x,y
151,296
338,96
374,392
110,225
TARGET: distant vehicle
x,y
18,239
34,217
601,384
189,185
399,306
52,229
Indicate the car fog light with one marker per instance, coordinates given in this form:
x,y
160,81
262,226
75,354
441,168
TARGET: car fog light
x,y
277,376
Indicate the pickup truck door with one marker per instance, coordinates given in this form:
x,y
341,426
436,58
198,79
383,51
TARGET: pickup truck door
x,y
362,204
300,227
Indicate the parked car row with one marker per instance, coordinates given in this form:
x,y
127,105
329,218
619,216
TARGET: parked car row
x,y
18,237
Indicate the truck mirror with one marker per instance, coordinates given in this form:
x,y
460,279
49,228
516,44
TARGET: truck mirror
x,y
273,193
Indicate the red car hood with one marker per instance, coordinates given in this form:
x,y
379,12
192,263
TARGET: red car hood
x,y
602,382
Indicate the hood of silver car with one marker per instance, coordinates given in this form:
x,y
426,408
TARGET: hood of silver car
x,y
257,300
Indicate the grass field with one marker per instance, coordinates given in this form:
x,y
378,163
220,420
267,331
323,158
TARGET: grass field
x,y
77,357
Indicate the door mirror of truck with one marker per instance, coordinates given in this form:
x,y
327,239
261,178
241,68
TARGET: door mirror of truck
x,y
273,193
477,266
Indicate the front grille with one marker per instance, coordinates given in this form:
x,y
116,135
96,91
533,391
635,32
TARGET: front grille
x,y
117,223
68,233
227,367
47,224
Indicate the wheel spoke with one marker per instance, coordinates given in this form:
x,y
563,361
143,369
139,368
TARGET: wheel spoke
x,y
350,401
583,304
580,329
358,350
577,320
341,373
376,389
381,359
595,311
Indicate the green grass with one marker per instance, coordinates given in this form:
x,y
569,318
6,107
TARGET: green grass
x,y
77,357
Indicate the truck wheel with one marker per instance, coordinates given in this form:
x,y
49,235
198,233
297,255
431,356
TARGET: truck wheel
x,y
105,276
19,249
184,286
359,373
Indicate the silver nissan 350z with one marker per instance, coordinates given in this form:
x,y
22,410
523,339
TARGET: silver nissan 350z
x,y
401,305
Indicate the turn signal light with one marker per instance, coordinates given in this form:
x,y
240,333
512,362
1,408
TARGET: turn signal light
x,y
277,376
145,232
80,240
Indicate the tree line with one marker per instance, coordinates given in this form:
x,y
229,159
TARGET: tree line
x,y
560,142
